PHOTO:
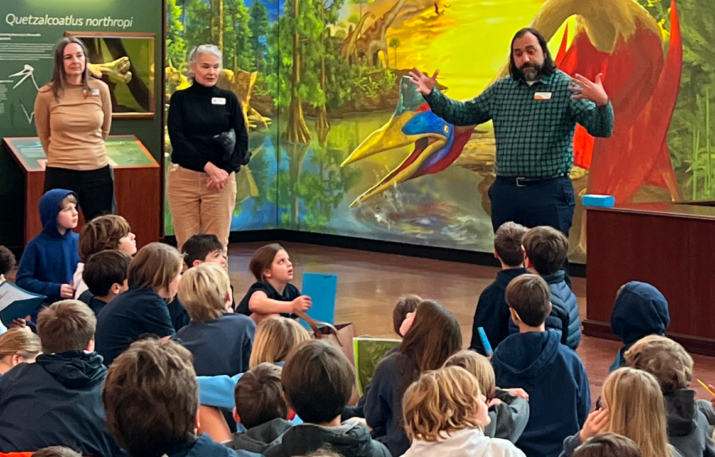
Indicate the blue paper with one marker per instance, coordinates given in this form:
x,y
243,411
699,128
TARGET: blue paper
x,y
485,342
603,201
322,290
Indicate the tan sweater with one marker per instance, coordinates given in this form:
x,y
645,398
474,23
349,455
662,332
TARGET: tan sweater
x,y
72,129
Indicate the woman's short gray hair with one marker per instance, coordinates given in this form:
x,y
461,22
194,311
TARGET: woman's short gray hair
x,y
197,51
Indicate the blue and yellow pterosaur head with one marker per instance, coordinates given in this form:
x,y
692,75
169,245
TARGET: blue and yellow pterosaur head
x,y
436,143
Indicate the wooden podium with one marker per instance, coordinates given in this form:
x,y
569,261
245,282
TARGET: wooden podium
x,y
137,184
668,245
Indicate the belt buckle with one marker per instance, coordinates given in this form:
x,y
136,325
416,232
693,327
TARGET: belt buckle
x,y
521,182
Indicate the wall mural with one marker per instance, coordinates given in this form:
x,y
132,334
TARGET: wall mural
x,y
343,144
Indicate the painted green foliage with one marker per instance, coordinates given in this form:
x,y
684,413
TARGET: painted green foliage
x,y
260,27
175,45
691,131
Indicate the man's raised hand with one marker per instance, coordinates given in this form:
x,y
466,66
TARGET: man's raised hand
x,y
424,83
584,88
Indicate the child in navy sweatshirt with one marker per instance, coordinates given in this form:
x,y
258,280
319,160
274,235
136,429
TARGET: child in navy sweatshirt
x,y
105,275
534,359
50,259
492,311
546,251
153,278
220,341
640,310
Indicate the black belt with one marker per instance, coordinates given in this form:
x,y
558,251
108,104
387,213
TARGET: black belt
x,y
521,181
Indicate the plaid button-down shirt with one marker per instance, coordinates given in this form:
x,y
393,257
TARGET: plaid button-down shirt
x,y
533,125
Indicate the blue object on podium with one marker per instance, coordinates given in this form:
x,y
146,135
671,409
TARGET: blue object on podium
x,y
602,201
322,290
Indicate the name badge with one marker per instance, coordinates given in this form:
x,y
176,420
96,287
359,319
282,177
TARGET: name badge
x,y
218,101
542,96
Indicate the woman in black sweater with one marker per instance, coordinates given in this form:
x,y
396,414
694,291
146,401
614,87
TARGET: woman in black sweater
x,y
203,120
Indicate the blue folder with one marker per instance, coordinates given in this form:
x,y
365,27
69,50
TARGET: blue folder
x,y
322,290
19,309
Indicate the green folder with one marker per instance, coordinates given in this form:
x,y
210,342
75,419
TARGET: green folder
x,y
368,353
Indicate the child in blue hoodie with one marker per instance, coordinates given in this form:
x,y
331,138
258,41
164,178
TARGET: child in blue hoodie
x,y
552,374
546,250
50,259
492,312
640,310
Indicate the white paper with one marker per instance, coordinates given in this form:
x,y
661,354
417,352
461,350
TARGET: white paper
x,y
10,293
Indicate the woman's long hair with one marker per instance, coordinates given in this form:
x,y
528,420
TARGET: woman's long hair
x,y
637,410
59,76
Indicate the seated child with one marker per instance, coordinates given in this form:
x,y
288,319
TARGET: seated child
x,y
50,259
508,412
534,359
152,400
219,340
153,278
445,414
105,275
640,310
608,445
261,408
672,367
275,338
18,345
546,251
632,406
101,234
492,311
272,294
318,381
57,399
197,250
433,337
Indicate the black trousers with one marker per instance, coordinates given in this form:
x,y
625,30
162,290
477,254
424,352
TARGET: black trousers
x,y
94,188
534,202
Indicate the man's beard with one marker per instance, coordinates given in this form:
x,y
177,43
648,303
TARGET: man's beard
x,y
531,72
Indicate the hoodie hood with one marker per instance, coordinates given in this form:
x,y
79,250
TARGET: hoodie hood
x,y
504,277
74,369
527,354
50,209
640,310
351,439
259,438
681,412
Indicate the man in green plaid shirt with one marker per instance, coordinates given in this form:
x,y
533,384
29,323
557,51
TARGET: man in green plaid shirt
x,y
534,111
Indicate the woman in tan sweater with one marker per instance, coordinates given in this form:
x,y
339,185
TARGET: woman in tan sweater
x,y
73,115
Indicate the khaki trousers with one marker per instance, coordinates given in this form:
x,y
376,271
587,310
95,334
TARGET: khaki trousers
x,y
196,209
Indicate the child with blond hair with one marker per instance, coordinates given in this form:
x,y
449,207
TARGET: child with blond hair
x,y
672,366
632,406
445,412
508,408
219,340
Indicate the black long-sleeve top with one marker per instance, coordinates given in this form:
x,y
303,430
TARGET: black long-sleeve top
x,y
196,115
